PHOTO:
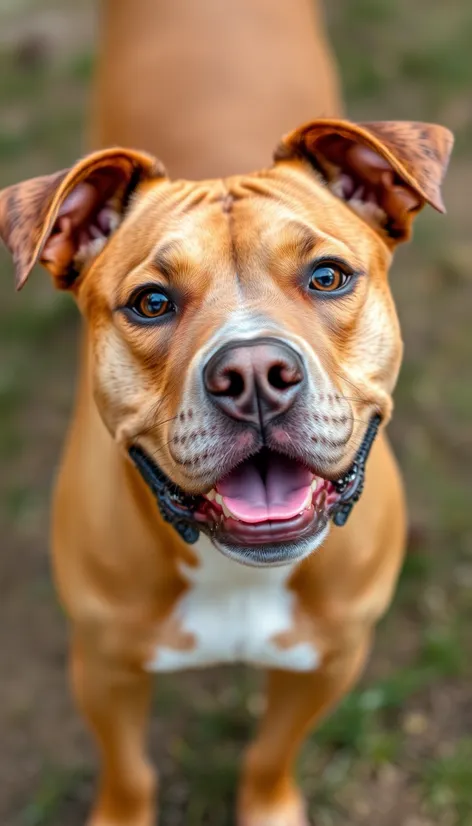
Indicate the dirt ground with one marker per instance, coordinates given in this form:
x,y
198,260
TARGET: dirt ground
x,y
398,752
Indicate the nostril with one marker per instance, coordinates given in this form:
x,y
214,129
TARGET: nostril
x,y
235,384
230,383
282,376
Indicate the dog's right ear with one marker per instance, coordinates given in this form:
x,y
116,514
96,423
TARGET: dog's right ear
x,y
385,171
64,220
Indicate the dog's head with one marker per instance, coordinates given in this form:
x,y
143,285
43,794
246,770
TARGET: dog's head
x,y
241,332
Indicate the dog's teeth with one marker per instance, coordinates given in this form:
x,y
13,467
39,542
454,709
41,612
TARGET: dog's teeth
x,y
314,484
226,511
307,503
213,496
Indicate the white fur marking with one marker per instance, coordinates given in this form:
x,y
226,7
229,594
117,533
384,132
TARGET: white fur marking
x,y
234,612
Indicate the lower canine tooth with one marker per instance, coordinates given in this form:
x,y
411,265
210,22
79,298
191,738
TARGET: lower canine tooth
x,y
307,502
226,510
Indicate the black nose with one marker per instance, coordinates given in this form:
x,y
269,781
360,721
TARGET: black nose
x,y
254,381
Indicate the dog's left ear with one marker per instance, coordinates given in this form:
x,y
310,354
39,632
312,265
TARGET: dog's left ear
x,y
64,220
385,171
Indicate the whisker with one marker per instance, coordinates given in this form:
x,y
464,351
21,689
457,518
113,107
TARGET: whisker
x,y
351,383
155,425
158,404
353,418
349,398
161,448
152,413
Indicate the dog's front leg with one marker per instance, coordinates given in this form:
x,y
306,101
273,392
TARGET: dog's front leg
x,y
295,703
114,698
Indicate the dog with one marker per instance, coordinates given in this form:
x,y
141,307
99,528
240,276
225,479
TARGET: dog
x,y
241,347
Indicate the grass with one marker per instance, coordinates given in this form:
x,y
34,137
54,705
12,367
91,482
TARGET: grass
x,y
448,785
55,787
366,723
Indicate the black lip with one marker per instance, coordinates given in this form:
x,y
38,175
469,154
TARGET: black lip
x,y
176,506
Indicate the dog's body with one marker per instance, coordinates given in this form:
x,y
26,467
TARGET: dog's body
x,y
207,85
234,257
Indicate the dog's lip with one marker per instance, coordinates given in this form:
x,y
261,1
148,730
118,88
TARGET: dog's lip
x,y
269,544
235,532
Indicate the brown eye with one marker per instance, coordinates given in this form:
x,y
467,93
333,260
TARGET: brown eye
x,y
328,278
152,304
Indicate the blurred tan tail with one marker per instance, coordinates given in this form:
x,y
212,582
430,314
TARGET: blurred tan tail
x,y
210,86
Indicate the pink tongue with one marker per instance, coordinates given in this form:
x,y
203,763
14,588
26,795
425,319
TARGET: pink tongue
x,y
280,496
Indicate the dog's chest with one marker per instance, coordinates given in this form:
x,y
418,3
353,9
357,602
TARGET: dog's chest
x,y
232,613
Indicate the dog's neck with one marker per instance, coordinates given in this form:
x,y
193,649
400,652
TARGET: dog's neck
x,y
210,87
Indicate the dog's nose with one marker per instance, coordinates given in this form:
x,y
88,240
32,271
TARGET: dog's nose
x,y
254,381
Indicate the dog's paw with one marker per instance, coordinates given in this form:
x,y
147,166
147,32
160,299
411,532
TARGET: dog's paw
x,y
283,813
277,819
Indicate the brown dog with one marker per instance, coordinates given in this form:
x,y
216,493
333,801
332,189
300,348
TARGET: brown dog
x,y
240,337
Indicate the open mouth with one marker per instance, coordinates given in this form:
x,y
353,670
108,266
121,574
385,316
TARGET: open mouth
x,y
269,499
270,509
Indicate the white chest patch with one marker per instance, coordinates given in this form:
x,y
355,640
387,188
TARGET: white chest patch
x,y
234,613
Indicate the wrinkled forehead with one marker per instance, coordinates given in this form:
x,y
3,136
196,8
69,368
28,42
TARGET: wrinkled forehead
x,y
248,219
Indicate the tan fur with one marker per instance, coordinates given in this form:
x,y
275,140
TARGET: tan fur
x,y
234,248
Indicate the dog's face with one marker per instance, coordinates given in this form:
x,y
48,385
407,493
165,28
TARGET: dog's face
x,y
242,332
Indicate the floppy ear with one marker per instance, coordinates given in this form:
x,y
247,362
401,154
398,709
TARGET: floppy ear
x,y
385,171
64,220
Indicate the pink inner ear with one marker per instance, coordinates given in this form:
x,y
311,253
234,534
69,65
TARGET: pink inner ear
x,y
83,224
80,203
369,178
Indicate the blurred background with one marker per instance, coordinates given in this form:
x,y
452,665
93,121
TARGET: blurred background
x,y
399,749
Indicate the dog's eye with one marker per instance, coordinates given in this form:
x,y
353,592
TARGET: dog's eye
x,y
152,304
328,278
